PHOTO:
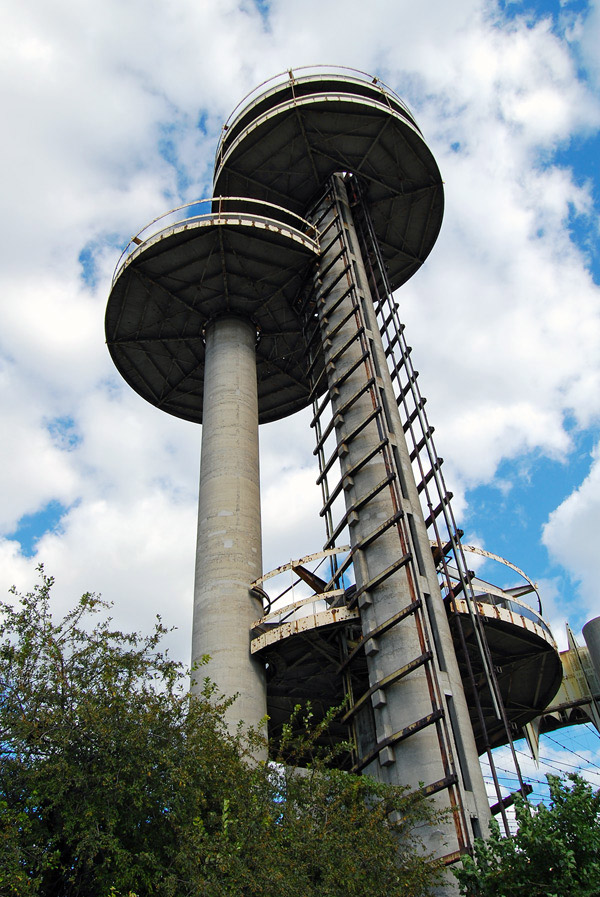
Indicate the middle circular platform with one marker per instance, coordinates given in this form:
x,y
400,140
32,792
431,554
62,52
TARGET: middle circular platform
x,y
219,257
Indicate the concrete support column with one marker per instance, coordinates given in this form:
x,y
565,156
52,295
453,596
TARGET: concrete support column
x,y
229,550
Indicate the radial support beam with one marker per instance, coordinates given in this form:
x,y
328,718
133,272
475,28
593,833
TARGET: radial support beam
x,y
229,553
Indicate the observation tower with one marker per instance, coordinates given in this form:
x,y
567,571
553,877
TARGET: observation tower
x,y
275,295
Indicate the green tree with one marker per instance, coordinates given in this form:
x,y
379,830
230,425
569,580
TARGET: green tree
x,y
114,781
555,852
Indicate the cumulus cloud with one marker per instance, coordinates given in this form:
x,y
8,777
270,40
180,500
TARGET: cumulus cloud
x,y
112,113
571,536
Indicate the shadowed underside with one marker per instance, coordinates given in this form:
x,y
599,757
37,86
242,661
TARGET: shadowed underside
x,y
178,281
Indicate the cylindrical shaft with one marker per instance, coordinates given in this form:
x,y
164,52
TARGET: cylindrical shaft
x,y
229,552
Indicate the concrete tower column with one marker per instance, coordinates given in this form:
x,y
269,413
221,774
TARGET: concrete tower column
x,y
229,550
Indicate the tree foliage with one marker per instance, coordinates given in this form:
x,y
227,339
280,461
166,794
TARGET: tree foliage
x,y
114,781
555,852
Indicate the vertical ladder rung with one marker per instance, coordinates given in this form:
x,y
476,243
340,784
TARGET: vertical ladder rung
x,y
437,511
422,443
414,415
430,475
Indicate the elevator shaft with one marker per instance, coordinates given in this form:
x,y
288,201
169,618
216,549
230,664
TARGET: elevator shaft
x,y
406,726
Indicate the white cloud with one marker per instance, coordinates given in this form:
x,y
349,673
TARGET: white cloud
x,y
101,107
571,536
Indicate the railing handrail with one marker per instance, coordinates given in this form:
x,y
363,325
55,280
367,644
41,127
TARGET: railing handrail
x,y
306,230
287,611
336,71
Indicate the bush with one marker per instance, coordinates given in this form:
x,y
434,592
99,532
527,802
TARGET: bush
x,y
114,781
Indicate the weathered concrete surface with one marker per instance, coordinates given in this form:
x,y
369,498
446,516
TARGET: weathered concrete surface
x,y
229,551
419,757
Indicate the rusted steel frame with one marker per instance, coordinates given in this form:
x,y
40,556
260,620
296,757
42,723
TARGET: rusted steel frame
x,y
340,570
386,321
329,334
330,310
277,571
435,694
445,508
379,630
456,590
389,349
325,231
323,483
310,337
379,578
397,737
404,390
481,718
316,384
332,242
371,366
496,557
454,797
323,272
311,579
429,475
286,612
339,412
394,370
311,365
433,684
357,506
437,511
382,528
450,858
509,800
422,442
413,416
352,339
320,408
435,787
348,437
343,377
441,551
349,473
325,468
569,705
388,680
323,296
326,196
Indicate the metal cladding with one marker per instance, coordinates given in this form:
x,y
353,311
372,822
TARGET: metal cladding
x,y
285,144
238,258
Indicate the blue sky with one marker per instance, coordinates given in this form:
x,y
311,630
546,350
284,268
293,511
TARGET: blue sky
x,y
114,116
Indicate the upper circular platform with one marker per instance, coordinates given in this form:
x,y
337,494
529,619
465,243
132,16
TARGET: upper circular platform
x,y
216,257
290,137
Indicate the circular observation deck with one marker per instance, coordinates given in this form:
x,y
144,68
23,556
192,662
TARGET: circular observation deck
x,y
313,650
217,257
285,143
302,639
522,647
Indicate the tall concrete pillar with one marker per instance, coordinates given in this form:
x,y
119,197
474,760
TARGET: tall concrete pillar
x,y
229,550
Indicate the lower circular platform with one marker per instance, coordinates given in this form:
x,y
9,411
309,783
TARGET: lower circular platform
x,y
527,663
235,258
305,645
